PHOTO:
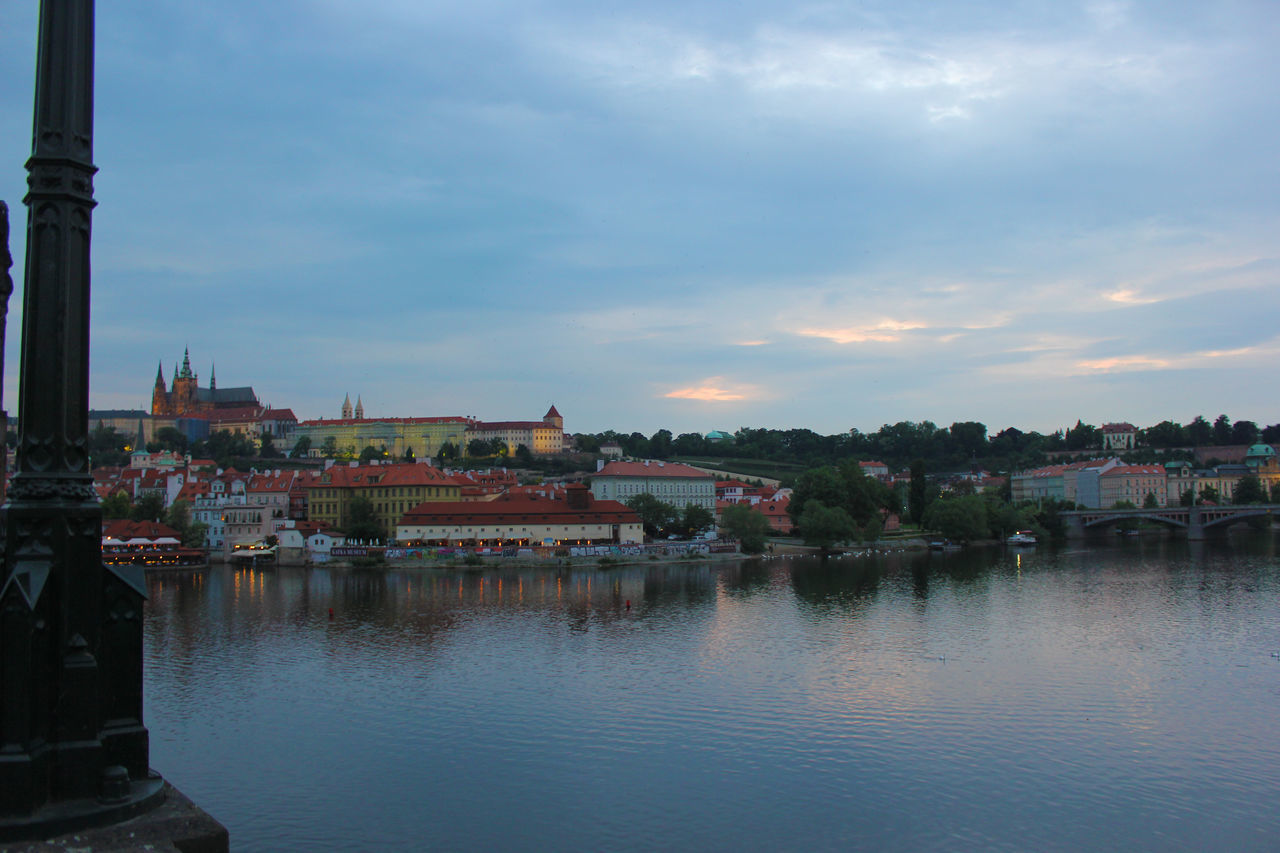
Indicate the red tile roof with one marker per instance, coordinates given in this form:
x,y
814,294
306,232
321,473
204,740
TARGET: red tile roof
x,y
125,529
651,469
519,510
353,421
407,474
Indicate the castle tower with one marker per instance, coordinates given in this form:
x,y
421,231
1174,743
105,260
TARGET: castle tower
x,y
359,409
552,418
346,408
159,394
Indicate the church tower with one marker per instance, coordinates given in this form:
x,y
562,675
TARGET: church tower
x,y
184,387
159,396
346,408
359,409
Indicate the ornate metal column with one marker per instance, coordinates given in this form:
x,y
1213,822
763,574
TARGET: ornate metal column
x,y
73,749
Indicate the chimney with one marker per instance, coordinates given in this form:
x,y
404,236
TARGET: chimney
x,y
577,496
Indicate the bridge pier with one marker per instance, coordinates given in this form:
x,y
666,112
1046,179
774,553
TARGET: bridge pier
x,y
1195,524
1075,528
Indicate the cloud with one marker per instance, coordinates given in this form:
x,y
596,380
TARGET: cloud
x,y
710,390
1127,362
885,331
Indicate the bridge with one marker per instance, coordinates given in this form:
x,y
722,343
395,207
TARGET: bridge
x,y
1196,520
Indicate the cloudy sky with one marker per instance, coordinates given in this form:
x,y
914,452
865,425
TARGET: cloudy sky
x,y
692,215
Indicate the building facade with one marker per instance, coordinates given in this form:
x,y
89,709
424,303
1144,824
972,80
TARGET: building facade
x,y
669,482
392,490
579,519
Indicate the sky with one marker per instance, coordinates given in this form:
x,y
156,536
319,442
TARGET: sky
x,y
690,216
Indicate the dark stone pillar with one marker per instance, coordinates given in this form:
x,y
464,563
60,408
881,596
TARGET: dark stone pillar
x,y
73,749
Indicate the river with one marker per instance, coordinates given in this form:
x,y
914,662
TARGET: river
x,y
1116,697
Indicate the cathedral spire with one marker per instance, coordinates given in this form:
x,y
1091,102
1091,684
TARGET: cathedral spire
x,y
346,407
186,363
160,376
359,408
213,376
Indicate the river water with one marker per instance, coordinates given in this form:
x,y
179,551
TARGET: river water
x,y
1117,697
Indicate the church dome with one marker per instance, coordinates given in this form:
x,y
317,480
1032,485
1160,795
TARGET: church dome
x,y
1260,454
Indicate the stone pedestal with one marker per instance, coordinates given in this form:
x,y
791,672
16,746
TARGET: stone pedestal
x,y
176,825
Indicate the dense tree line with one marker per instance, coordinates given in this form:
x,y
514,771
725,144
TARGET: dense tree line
x,y
950,448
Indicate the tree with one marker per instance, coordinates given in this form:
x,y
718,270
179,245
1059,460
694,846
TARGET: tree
x,y
301,449
171,438
826,526
447,451
1164,434
660,444
1209,494
696,519
116,505
523,455
917,496
1083,437
178,516
1249,491
962,519
748,525
1199,431
370,453
362,521
689,444
408,454
106,446
1150,501
190,533
1222,430
329,448
1244,432
149,507
195,535
655,515
267,447
969,437
478,447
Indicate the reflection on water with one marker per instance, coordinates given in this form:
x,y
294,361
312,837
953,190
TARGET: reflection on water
x,y
1124,696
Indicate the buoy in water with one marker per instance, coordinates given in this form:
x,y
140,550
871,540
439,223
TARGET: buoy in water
x,y
628,604
330,614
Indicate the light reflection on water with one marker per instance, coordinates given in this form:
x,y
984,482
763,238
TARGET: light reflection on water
x,y
1115,697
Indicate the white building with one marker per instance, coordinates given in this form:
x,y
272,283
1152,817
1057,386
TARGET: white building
x,y
669,482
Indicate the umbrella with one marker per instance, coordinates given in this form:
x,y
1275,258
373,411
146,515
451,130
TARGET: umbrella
x,y
111,542
167,540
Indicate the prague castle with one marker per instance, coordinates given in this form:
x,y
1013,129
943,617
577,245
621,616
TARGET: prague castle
x,y
185,398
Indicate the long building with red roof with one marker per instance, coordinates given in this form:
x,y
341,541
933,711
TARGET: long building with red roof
x,y
579,519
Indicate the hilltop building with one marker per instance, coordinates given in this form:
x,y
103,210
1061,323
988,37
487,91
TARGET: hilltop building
x,y
1119,437
422,438
185,398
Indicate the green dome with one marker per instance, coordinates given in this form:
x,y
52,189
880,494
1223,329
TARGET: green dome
x,y
1265,451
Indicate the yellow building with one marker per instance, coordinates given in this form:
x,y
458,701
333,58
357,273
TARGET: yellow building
x,y
423,436
392,489
541,437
